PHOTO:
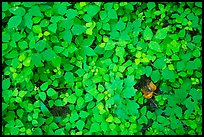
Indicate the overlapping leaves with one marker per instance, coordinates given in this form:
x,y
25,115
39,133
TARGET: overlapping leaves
x,y
73,67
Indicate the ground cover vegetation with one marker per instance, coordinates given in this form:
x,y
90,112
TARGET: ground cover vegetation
x,y
72,68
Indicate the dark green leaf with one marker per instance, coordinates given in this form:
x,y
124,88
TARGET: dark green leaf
x,y
159,63
71,13
155,76
74,116
120,25
48,54
151,5
5,6
6,84
132,107
92,10
44,23
198,4
80,72
67,36
44,109
5,37
129,92
69,77
148,71
62,8
53,27
80,101
168,74
14,21
88,97
56,61
35,11
112,14
40,45
36,59
28,21
78,29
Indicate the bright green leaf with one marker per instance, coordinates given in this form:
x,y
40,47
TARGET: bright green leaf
x,y
80,125
155,46
161,34
51,92
42,96
72,99
147,33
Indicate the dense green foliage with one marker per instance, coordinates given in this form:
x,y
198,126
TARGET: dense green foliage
x,y
71,68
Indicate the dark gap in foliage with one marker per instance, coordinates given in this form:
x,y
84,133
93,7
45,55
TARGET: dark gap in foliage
x,y
146,126
153,29
151,104
93,45
129,57
94,99
165,23
5,22
40,75
32,99
163,114
142,82
56,110
84,92
193,32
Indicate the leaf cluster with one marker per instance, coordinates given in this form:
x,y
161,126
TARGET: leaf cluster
x,y
71,68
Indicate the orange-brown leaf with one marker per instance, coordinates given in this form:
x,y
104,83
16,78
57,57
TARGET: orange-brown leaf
x,y
152,86
148,90
148,96
145,90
